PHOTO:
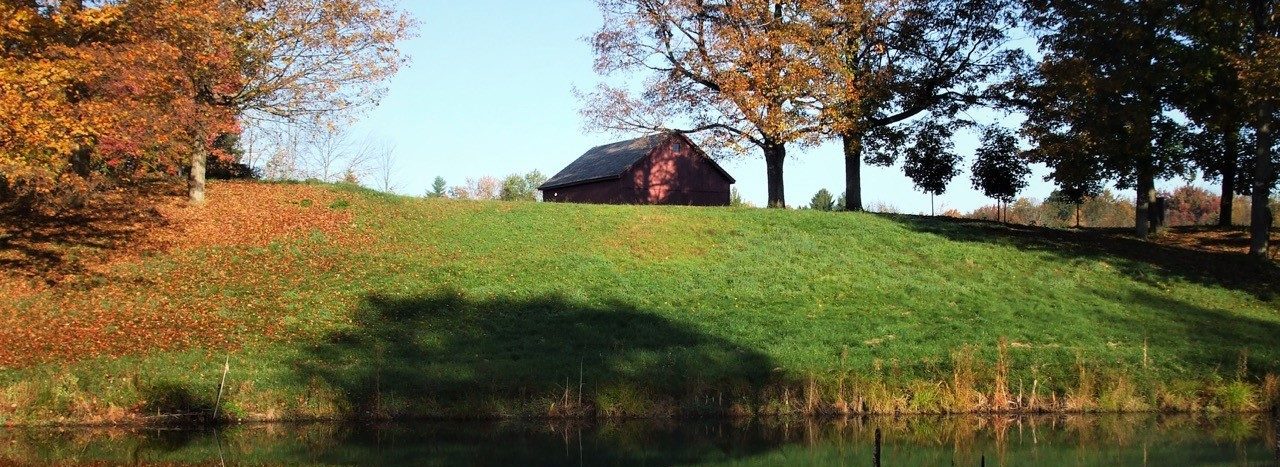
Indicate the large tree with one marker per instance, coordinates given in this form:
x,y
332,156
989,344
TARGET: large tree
x,y
888,61
1102,90
1259,69
729,70
298,61
1209,93
90,94
1237,50
94,89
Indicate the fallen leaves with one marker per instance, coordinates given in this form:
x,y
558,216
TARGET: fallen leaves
x,y
225,275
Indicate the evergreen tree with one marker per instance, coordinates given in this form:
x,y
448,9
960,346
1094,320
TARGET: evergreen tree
x,y
822,201
438,188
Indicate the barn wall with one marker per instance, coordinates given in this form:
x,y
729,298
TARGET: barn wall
x,y
602,192
683,177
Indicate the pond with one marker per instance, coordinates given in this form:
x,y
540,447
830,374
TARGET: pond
x,y
1075,440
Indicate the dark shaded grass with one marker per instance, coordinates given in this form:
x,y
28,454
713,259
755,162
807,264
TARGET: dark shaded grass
x,y
446,353
1141,260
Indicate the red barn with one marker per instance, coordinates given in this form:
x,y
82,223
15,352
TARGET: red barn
x,y
664,168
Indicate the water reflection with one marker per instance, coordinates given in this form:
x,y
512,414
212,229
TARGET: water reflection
x,y
1041,440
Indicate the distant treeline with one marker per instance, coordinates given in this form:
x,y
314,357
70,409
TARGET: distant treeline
x,y
1185,206
514,187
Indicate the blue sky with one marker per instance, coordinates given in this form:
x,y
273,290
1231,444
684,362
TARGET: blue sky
x,y
490,92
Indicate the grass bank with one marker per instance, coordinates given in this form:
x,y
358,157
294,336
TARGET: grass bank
x,y
336,302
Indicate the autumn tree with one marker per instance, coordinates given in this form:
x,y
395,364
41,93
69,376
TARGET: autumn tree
x,y
483,188
885,62
732,71
88,93
39,62
999,171
298,61
459,192
1191,205
128,88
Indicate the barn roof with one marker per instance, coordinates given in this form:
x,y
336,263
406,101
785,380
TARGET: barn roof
x,y
610,161
605,162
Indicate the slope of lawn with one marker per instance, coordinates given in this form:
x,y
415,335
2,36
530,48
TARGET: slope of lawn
x,y
331,301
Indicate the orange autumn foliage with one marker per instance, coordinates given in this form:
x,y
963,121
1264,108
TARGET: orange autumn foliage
x,y
99,92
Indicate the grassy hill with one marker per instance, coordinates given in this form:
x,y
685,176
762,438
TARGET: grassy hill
x,y
331,301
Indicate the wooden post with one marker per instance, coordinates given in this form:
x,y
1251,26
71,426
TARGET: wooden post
x,y
226,366
875,456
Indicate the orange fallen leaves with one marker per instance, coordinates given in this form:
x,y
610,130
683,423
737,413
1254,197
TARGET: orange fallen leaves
x,y
217,287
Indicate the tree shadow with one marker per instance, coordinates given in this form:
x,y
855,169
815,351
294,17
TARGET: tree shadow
x,y
178,404
1144,261
445,354
51,245
1223,337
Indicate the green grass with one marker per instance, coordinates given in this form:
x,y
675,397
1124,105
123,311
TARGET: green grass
x,y
479,309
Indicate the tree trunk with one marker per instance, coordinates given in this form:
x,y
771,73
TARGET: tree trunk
x,y
852,170
1226,203
774,155
195,179
1261,218
1146,196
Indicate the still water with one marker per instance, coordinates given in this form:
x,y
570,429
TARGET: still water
x,y
1035,441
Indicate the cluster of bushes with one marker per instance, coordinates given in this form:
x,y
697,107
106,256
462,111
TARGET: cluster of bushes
x,y
824,201
514,187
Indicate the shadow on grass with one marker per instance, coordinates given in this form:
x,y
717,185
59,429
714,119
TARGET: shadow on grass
x,y
49,245
1144,261
450,355
1220,337
177,404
